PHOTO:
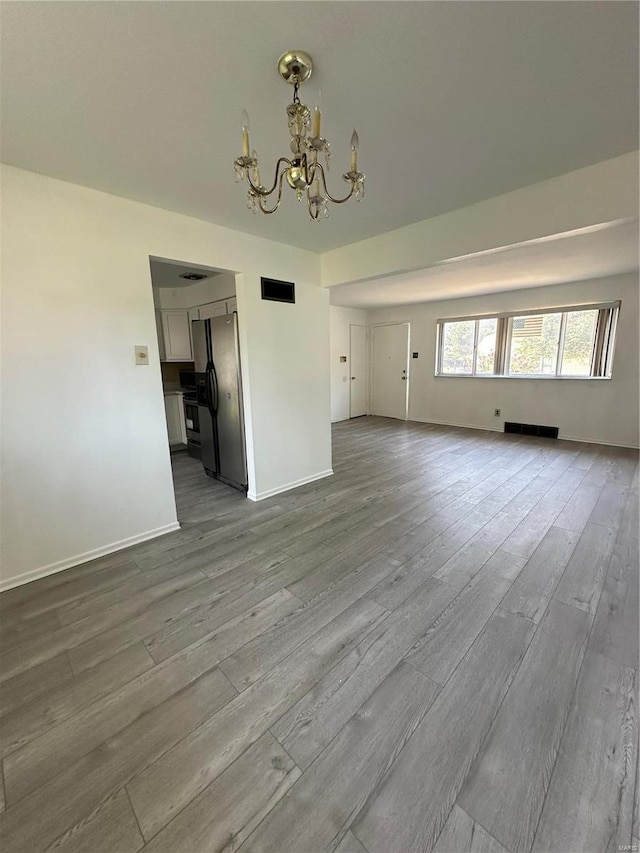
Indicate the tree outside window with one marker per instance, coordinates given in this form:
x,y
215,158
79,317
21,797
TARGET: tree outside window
x,y
457,349
534,345
486,349
579,336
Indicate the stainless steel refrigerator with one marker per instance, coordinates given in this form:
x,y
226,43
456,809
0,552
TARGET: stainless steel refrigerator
x,y
216,354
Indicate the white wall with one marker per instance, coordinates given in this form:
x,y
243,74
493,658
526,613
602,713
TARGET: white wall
x,y
85,456
290,394
603,411
340,320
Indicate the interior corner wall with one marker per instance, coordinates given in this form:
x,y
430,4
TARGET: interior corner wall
x,y
86,467
340,321
601,411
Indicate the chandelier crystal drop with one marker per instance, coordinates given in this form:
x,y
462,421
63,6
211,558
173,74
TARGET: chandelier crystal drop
x,y
302,171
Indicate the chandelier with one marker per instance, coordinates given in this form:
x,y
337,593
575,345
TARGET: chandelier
x,y
302,171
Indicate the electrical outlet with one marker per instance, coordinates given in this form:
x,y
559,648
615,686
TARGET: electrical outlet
x,y
496,413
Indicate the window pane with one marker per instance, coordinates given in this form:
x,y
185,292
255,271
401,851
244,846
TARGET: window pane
x,y
534,345
578,343
457,347
486,345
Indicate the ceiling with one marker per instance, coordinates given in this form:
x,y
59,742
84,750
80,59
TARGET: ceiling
x,y
166,273
593,252
454,102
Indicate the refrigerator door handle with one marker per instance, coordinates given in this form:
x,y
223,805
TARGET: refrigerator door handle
x,y
212,389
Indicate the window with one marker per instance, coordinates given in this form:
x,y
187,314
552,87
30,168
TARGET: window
x,y
486,346
574,342
579,338
468,347
533,349
458,347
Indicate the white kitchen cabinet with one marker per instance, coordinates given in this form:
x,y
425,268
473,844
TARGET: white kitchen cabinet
x,y
218,308
213,309
193,314
174,411
176,335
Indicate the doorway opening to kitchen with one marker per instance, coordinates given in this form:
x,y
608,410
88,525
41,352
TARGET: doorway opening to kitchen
x,y
197,327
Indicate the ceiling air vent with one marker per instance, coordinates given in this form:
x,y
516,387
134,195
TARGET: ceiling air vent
x,y
193,276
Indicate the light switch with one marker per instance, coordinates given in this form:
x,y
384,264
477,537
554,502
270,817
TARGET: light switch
x,y
142,355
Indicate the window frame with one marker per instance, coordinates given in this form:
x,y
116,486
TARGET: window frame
x,y
474,357
601,365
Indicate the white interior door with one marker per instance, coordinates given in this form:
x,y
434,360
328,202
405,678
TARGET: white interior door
x,y
390,366
359,373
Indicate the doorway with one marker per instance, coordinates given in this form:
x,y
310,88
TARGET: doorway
x,y
359,387
184,293
390,370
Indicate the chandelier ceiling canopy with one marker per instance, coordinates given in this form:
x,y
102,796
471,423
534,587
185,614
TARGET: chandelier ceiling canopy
x,y
302,170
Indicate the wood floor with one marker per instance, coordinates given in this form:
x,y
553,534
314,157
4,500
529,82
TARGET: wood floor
x,y
436,649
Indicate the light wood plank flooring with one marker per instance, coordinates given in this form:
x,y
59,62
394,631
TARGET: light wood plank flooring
x,y
434,649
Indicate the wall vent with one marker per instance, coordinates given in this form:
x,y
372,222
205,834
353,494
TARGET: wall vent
x,y
278,291
531,429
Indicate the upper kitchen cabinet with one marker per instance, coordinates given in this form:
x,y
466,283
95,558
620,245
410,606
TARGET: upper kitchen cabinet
x,y
213,309
218,308
176,335
192,314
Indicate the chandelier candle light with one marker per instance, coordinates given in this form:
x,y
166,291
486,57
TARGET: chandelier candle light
x,y
302,171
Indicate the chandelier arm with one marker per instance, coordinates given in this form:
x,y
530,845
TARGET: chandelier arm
x,y
277,204
260,191
320,168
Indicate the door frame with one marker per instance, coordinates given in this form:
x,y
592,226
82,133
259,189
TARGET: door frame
x,y
238,276
368,368
371,363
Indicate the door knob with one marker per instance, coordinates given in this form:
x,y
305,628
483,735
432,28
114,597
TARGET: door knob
x,y
403,377
353,377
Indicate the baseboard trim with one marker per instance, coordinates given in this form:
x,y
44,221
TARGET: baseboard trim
x,y
596,441
269,493
451,424
86,557
561,437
